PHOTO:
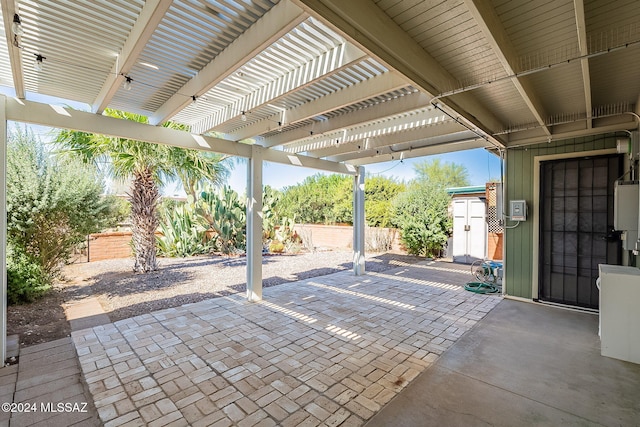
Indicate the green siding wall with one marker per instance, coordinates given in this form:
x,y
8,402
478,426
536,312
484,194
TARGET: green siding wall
x,y
519,186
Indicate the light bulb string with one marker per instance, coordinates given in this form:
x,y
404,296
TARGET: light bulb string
x,y
131,80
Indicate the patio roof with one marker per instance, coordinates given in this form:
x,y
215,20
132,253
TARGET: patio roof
x,y
357,82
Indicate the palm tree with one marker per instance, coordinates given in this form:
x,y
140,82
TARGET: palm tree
x,y
148,165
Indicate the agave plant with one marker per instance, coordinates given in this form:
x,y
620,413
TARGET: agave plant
x,y
181,233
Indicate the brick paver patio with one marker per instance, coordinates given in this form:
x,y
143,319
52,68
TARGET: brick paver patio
x,y
330,350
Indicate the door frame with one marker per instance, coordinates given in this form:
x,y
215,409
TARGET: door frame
x,y
536,205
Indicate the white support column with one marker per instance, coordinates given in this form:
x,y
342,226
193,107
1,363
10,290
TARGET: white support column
x,y
358,222
254,224
3,228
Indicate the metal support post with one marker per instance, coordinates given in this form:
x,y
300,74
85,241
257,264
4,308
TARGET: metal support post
x,y
254,224
3,227
358,222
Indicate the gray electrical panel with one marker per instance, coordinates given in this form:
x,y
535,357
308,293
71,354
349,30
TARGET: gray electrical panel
x,y
518,211
625,212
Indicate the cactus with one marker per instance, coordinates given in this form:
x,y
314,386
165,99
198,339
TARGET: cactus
x,y
270,200
223,212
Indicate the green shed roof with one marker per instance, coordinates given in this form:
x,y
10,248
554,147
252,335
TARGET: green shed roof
x,y
467,190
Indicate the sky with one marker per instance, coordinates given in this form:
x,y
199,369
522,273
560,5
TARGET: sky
x,y
481,165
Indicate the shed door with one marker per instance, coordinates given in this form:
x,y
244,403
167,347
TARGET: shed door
x,y
576,215
469,230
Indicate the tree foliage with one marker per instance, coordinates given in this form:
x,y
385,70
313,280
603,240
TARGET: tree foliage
x,y
328,199
441,175
379,194
422,212
149,165
313,200
52,204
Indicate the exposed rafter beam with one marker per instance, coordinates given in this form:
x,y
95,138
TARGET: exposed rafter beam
x,y
15,56
438,133
319,68
66,118
581,27
425,120
282,18
420,149
150,17
363,22
493,31
363,116
375,86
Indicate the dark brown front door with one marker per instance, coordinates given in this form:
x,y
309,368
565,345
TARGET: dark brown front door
x,y
576,214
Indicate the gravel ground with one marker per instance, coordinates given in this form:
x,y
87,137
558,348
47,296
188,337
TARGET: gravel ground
x,y
179,281
124,294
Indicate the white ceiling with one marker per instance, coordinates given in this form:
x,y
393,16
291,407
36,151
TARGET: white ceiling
x,y
358,81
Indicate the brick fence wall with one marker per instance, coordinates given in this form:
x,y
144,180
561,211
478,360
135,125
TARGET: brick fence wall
x,y
494,246
110,245
117,244
340,236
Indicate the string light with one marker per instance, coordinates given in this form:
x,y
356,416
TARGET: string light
x,y
38,66
18,30
127,83
16,26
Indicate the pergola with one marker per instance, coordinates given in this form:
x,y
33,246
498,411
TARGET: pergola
x,y
325,84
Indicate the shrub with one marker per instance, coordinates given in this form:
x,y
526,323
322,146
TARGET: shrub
x,y
52,204
328,199
276,247
378,239
26,279
119,211
423,219
306,238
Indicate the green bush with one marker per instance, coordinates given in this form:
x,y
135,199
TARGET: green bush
x,y
26,279
422,212
119,211
328,199
422,216
276,247
52,203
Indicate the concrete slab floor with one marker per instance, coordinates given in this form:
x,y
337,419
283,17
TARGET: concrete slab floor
x,y
523,364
